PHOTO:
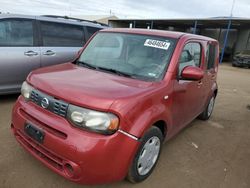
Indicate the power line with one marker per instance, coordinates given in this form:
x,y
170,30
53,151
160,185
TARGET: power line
x,y
232,8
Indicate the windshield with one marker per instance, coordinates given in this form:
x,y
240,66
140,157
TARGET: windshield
x,y
137,56
245,52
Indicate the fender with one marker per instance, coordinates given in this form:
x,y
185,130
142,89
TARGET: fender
x,y
146,110
147,118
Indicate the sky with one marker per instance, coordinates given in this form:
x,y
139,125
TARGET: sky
x,y
129,8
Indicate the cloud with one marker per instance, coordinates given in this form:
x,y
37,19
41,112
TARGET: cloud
x,y
129,8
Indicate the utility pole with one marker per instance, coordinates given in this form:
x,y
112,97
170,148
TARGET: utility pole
x,y
69,7
231,13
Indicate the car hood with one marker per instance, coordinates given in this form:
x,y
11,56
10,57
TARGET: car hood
x,y
86,87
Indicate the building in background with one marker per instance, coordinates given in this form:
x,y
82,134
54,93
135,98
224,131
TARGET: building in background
x,y
98,18
237,37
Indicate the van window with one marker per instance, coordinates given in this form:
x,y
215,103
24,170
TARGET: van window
x,y
211,56
57,34
190,56
91,30
16,33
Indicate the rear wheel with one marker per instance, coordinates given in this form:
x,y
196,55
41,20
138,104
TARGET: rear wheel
x,y
146,156
205,115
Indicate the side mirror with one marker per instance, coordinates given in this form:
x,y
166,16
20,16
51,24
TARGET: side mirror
x,y
192,73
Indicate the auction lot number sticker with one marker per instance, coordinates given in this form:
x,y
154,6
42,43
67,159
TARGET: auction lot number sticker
x,y
157,44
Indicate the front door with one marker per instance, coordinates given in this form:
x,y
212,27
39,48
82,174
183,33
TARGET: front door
x,y
188,94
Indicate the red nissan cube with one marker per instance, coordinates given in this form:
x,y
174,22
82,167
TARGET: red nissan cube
x,y
105,116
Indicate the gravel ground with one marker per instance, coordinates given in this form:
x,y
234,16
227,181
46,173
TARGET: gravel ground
x,y
212,154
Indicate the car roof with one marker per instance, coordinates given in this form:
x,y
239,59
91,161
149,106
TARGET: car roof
x,y
58,19
160,33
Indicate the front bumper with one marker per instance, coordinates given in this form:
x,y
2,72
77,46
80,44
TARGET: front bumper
x,y
80,156
241,62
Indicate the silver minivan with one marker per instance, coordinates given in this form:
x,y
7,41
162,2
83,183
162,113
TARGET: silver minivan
x,y
31,42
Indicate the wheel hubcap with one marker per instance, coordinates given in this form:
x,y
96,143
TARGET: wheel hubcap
x,y
148,155
210,106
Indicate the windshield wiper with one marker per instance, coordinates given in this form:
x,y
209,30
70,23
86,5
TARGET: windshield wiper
x,y
81,63
120,73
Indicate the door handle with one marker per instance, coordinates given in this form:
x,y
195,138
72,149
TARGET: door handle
x,y
199,84
30,53
49,52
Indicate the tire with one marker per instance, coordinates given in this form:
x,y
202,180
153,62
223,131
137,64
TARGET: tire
x,y
205,115
139,171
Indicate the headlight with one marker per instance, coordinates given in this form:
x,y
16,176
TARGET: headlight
x,y
26,90
105,123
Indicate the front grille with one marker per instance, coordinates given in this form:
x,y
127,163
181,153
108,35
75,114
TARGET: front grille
x,y
243,60
41,124
34,97
56,106
60,109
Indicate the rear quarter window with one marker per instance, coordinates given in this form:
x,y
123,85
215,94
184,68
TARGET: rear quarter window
x,y
211,56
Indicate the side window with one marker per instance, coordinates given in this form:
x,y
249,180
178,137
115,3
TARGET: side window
x,y
190,56
91,30
211,55
61,35
16,32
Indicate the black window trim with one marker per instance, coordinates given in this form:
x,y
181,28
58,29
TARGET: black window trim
x,y
85,34
34,30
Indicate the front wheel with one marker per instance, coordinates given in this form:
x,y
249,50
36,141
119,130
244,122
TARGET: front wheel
x,y
205,115
146,156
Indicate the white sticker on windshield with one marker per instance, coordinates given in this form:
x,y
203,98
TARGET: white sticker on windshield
x,y
157,44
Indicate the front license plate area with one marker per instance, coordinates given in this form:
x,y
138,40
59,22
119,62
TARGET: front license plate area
x,y
34,132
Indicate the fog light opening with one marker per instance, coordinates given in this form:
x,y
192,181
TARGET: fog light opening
x,y
69,170
12,128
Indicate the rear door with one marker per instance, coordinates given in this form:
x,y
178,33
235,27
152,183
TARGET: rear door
x,y
212,61
60,42
19,53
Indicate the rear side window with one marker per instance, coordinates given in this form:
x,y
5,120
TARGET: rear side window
x,y
190,56
91,30
61,35
16,32
211,56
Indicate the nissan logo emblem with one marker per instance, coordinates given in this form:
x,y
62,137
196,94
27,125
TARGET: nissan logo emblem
x,y
45,103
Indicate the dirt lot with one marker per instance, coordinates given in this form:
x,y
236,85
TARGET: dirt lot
x,y
210,154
